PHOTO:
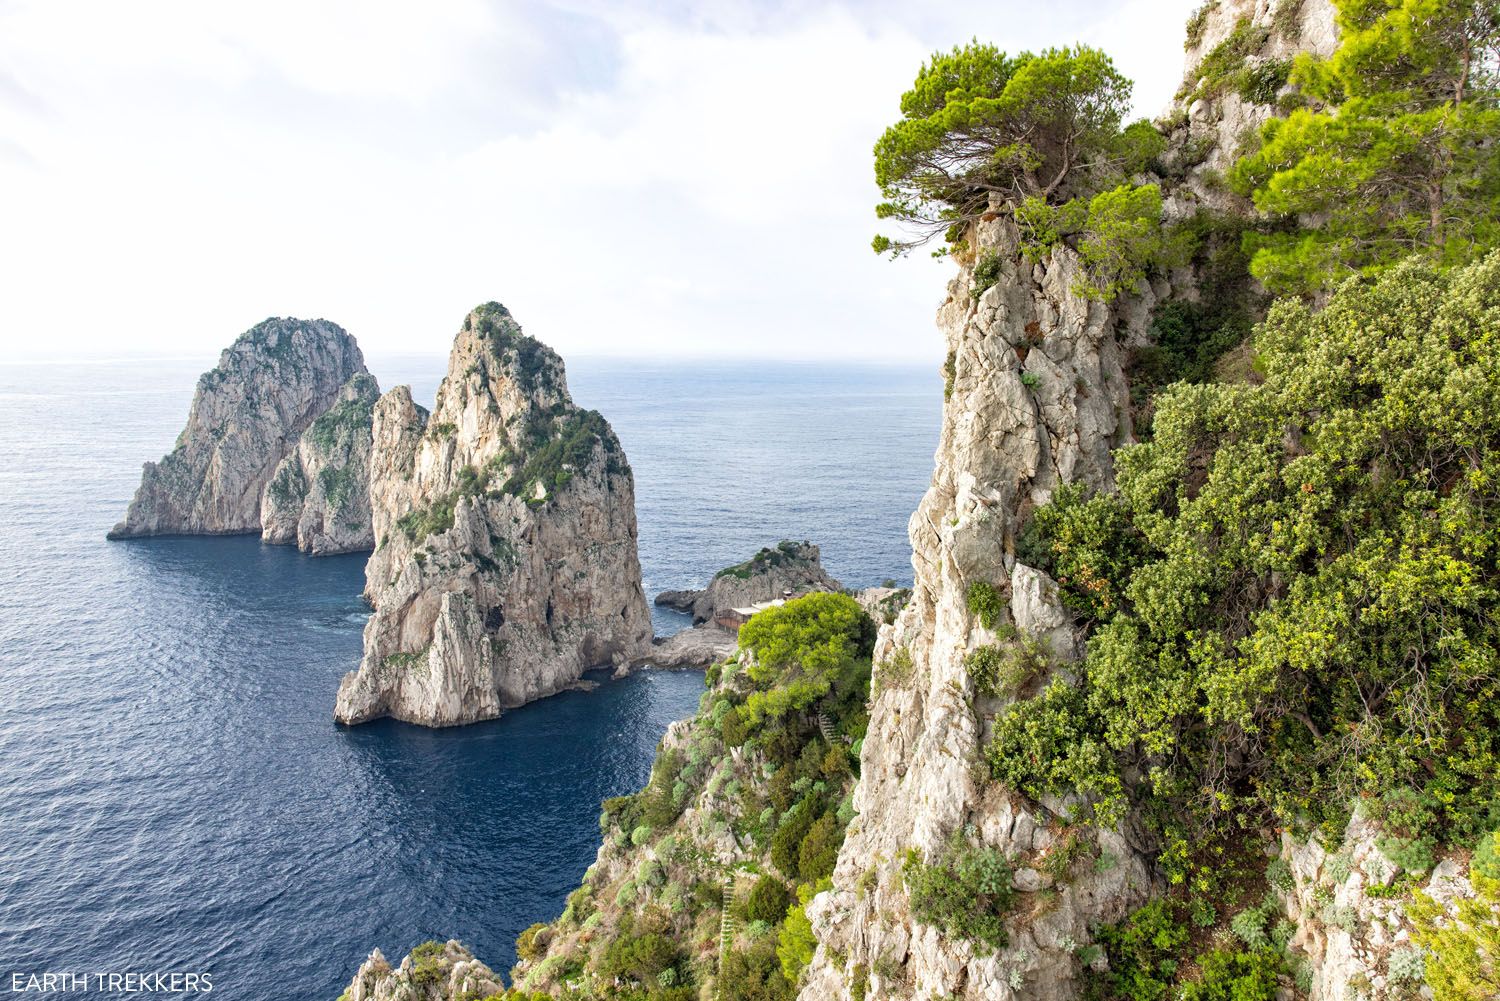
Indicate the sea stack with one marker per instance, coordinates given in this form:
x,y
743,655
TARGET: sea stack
x,y
505,563
319,497
248,413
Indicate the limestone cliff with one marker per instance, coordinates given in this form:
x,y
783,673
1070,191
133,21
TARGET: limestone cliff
x,y
247,414
505,562
1037,397
319,497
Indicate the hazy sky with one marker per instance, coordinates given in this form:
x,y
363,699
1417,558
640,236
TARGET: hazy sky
x,y
629,178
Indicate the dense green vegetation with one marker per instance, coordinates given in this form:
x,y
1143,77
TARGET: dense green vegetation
x,y
1394,154
1039,135
769,762
1308,565
1462,959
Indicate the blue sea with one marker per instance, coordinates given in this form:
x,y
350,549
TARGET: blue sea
x,y
174,795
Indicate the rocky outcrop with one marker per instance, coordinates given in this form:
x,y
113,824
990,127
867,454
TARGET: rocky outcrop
x,y
319,497
1355,933
1224,100
505,562
699,646
247,414
1038,398
431,972
789,566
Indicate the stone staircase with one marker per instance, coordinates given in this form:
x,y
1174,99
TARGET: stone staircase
x,y
825,727
735,881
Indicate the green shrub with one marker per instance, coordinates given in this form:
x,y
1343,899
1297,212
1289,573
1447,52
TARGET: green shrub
x,y
1226,975
986,273
796,942
1144,952
754,974
965,892
1005,667
427,963
986,603
1486,860
1087,542
819,850
786,843
641,959
531,944
801,649
768,900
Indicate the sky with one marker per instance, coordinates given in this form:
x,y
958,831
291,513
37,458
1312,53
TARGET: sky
x,y
630,178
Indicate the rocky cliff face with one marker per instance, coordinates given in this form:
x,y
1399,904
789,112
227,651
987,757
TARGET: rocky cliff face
x,y
1238,55
319,497
1037,397
505,561
247,415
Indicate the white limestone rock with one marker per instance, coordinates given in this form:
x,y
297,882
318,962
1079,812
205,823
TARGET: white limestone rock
x,y
428,974
505,562
247,414
319,497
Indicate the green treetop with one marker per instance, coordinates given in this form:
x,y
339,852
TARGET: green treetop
x,y
1043,130
801,649
1395,153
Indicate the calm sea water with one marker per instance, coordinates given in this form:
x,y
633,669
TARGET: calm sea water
x,y
174,795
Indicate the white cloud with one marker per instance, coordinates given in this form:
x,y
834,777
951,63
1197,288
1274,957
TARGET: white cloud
x,y
627,181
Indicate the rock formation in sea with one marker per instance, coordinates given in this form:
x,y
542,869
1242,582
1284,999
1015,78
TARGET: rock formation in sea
x,y
319,497
247,415
505,562
698,646
769,574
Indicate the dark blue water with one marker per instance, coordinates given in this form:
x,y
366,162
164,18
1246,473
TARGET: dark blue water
x,y
173,793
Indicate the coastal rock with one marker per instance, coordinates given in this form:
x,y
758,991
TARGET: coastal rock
x,y
247,414
432,972
883,604
505,562
699,646
319,497
788,566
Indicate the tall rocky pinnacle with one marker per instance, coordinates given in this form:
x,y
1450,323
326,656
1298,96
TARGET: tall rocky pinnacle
x,y
505,561
247,414
319,497
1037,398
